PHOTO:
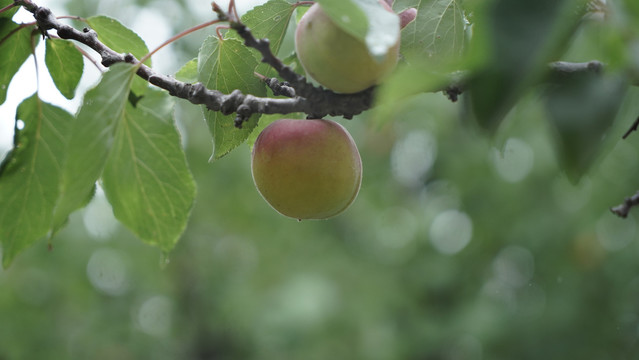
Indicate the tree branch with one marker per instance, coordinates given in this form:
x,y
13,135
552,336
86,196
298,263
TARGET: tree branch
x,y
316,102
623,209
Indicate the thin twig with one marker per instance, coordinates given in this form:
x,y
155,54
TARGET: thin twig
x,y
634,127
623,209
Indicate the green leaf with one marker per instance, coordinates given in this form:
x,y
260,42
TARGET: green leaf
x,y
30,175
437,34
294,63
366,20
7,14
65,64
118,37
226,66
268,21
91,138
188,72
512,44
405,82
582,109
347,15
146,178
15,45
123,40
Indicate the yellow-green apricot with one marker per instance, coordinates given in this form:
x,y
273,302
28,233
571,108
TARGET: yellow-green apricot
x,y
306,169
336,59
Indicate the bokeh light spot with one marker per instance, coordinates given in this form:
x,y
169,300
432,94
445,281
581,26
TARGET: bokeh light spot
x,y
155,316
515,161
412,157
107,272
395,227
615,233
514,266
98,217
451,231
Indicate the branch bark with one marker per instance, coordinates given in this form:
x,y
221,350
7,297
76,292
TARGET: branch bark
x,y
314,101
623,209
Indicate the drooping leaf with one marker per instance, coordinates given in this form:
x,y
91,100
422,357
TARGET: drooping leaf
x,y
146,178
17,43
366,20
123,40
269,21
582,109
226,66
91,138
30,175
438,33
513,40
65,64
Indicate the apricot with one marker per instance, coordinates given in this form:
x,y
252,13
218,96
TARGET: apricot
x,y
336,59
306,169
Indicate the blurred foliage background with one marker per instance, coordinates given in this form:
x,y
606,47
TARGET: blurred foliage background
x,y
459,246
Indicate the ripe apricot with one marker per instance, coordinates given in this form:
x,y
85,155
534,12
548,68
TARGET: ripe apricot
x,y
336,59
306,169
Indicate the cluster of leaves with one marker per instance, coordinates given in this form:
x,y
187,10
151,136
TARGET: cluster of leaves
x,y
124,134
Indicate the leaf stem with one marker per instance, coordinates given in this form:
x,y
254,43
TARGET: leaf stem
x,y
176,37
7,8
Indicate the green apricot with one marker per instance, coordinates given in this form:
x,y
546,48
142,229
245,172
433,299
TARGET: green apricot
x,y
336,59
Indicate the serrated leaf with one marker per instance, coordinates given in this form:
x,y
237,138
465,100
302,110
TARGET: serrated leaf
x,y
437,33
30,175
188,72
366,20
15,45
65,64
582,110
146,178
226,66
91,138
123,40
513,42
269,21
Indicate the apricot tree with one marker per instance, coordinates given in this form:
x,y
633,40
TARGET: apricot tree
x,y
487,53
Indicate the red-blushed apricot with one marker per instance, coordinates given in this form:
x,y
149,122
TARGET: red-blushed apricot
x,y
336,59
306,169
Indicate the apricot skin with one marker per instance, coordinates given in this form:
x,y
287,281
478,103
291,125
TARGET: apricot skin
x,y
306,169
336,59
